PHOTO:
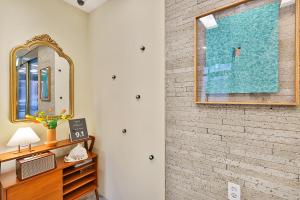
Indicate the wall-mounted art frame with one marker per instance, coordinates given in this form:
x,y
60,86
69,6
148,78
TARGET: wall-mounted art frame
x,y
45,84
248,53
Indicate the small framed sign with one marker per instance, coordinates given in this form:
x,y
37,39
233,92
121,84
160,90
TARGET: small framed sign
x,y
78,129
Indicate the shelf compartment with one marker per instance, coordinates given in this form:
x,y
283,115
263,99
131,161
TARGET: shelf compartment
x,y
80,192
66,165
72,170
79,183
77,176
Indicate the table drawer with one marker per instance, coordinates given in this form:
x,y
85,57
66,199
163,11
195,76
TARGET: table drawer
x,y
45,187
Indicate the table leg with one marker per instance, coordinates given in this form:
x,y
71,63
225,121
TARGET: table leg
x,y
97,194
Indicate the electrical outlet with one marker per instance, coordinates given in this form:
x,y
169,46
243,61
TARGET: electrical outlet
x,y
234,191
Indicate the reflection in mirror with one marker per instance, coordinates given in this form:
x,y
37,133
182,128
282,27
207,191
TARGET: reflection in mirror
x,y
43,82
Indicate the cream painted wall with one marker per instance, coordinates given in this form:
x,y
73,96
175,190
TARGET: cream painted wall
x,y
20,20
106,42
117,30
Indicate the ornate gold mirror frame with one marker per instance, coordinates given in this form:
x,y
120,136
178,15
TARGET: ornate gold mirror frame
x,y
39,40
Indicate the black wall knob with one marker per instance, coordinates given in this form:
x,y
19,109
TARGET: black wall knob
x,y
61,97
80,2
151,157
124,131
138,96
143,48
113,77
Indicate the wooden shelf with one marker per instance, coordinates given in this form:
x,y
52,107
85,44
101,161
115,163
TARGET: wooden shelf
x,y
72,170
76,176
60,161
81,180
80,192
78,184
71,182
39,149
9,179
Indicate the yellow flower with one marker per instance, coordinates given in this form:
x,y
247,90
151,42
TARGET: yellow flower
x,y
39,119
29,117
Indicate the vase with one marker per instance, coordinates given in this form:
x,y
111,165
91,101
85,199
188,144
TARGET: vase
x,y
51,138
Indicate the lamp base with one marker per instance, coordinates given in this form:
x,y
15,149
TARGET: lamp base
x,y
22,150
19,150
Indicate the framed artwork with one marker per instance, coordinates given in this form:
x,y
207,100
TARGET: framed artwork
x,y
248,53
45,84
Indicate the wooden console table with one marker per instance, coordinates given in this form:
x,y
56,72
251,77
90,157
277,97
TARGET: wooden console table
x,y
65,182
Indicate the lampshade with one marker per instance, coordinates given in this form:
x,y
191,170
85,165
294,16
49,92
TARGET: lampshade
x,y
23,136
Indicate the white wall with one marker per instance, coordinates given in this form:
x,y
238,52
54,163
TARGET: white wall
x,y
117,30
20,21
115,33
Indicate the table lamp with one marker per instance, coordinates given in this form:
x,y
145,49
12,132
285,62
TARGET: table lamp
x,y
23,137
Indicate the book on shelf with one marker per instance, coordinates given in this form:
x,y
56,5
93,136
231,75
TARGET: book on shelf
x,y
83,163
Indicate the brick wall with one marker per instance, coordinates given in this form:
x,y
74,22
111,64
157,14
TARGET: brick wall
x,y
207,146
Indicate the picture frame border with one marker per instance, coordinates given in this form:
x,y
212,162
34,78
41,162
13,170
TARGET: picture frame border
x,y
295,102
41,84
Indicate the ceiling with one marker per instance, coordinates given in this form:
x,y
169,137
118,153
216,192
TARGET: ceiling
x,y
88,6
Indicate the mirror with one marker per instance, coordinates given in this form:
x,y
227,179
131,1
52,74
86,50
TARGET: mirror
x,y
41,79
